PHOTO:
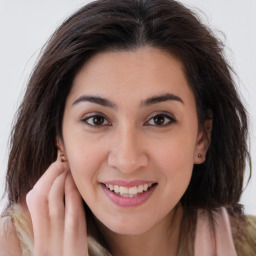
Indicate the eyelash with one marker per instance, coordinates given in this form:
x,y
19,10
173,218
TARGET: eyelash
x,y
168,120
96,115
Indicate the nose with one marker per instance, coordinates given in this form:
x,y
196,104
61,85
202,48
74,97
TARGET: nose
x,y
127,152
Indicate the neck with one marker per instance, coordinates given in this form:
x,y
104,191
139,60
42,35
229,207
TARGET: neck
x,y
162,239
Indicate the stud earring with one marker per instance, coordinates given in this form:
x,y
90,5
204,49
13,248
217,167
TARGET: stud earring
x,y
199,155
63,158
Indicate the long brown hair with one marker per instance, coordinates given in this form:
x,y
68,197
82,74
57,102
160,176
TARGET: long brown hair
x,y
126,25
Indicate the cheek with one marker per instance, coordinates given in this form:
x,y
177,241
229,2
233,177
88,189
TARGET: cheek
x,y
84,160
175,159
175,180
177,170
176,153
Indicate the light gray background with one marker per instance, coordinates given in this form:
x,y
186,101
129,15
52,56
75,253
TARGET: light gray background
x,y
25,25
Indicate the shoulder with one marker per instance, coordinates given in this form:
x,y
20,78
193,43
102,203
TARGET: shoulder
x,y
9,242
251,220
244,234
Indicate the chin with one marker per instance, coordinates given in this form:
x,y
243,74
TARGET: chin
x,y
125,227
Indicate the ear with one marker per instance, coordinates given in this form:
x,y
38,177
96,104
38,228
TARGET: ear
x,y
203,142
61,149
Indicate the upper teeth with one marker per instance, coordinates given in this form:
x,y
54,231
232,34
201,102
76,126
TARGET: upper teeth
x,y
128,192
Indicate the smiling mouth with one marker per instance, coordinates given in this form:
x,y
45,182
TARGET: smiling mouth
x,y
129,191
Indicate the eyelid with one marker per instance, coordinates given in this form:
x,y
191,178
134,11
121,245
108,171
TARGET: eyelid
x,y
163,113
93,114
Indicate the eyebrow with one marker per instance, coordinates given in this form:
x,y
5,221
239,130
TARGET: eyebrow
x,y
107,103
162,98
95,99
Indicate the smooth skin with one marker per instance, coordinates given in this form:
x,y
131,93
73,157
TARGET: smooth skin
x,y
57,214
120,123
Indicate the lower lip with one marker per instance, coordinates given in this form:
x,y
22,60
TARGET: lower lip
x,y
128,201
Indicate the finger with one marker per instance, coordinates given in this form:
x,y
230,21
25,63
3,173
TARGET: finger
x,y
37,198
55,169
57,214
37,201
75,222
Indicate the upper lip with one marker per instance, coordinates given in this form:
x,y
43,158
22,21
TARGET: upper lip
x,y
128,184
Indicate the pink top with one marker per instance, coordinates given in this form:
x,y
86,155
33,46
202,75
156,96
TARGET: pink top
x,y
205,244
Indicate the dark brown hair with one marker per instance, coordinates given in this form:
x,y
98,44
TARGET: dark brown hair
x,y
127,25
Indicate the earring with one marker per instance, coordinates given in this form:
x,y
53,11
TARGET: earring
x,y
63,157
61,154
199,155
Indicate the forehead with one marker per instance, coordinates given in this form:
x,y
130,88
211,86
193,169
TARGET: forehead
x,y
133,74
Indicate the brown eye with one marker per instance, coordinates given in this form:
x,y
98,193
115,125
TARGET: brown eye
x,y
161,120
96,120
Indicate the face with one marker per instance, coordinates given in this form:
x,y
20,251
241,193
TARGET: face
x,y
131,137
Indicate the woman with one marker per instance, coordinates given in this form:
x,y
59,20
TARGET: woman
x,y
131,139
